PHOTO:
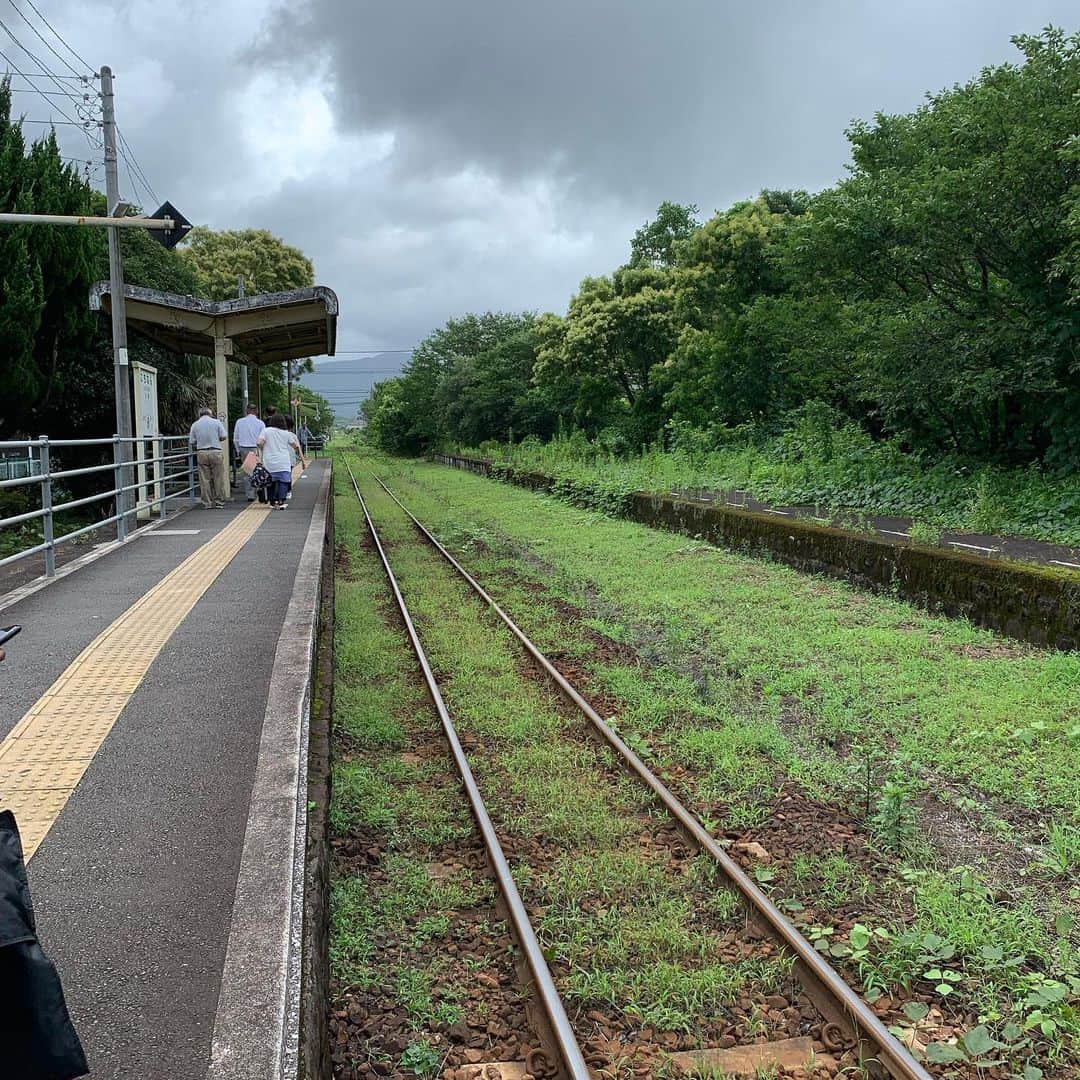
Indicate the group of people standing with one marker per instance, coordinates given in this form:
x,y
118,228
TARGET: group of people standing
x,y
274,442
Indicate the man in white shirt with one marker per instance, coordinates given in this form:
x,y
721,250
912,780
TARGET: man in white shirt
x,y
246,438
209,439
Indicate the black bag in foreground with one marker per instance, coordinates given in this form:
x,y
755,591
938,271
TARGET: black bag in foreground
x,y
37,1040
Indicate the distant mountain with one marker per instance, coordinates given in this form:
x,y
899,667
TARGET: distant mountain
x,y
346,381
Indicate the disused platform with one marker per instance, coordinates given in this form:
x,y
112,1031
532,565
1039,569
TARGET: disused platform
x,y
153,726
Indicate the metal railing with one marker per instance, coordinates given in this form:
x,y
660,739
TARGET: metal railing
x,y
168,473
12,468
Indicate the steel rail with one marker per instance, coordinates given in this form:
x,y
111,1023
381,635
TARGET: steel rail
x,y
572,1059
813,966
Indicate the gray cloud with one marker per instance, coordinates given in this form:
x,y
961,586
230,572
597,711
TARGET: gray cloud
x,y
439,156
693,99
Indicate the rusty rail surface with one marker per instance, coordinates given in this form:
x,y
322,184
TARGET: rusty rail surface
x,y
837,1001
573,1062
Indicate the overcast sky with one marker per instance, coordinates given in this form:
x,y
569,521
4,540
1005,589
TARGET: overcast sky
x,y
440,156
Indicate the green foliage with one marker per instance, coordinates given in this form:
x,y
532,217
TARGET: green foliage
x,y
472,376
421,1058
818,460
45,276
928,303
266,263
216,261
894,822
655,243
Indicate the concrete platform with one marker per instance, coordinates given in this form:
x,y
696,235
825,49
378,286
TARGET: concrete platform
x,y
189,801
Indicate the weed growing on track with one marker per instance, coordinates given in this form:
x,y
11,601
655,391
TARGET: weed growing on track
x,y
752,677
395,927
624,927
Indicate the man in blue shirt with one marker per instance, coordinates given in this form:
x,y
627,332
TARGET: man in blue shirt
x,y
208,439
245,438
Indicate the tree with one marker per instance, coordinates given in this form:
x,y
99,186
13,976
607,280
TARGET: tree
x,y
655,243
45,276
492,395
435,358
615,334
265,262
947,243
732,365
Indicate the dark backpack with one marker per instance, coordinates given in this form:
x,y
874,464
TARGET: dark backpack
x,y
260,476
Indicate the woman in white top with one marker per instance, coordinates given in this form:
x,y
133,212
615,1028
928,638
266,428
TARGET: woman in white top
x,y
277,444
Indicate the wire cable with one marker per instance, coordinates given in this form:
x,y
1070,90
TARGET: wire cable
x,y
22,15
37,90
133,162
60,37
131,182
37,60
51,75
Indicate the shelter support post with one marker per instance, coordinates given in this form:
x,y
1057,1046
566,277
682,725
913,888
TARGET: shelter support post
x,y
221,386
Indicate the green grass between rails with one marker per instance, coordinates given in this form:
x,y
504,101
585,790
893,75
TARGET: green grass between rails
x,y
380,929
755,674
623,931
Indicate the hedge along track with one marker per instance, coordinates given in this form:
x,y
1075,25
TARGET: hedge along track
x,y
879,1052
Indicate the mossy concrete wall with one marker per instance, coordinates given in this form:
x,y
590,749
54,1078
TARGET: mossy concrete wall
x,y
1032,603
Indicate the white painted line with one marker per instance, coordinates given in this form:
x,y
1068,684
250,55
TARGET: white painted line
x,y
1070,565
893,532
972,547
785,513
175,532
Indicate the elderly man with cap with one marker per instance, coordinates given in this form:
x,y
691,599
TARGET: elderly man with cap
x,y
208,439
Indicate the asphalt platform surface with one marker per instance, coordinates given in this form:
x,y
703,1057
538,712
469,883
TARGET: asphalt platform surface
x,y
133,886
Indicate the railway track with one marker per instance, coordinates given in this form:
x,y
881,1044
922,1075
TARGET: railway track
x,y
850,1025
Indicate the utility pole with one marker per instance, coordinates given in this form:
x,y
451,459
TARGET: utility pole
x,y
116,295
243,367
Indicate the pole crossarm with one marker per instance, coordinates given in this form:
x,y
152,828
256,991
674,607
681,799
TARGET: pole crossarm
x,y
104,222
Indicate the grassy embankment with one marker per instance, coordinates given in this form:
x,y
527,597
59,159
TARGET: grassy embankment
x,y
941,764
842,471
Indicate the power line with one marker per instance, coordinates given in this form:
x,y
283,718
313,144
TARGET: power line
x,y
53,123
37,60
22,15
35,90
135,175
131,180
41,93
129,156
65,91
60,37
52,75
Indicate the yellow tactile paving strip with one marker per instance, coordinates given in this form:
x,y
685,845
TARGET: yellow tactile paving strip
x,y
49,749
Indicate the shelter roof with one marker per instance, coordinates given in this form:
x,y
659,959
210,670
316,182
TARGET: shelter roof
x,y
266,328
